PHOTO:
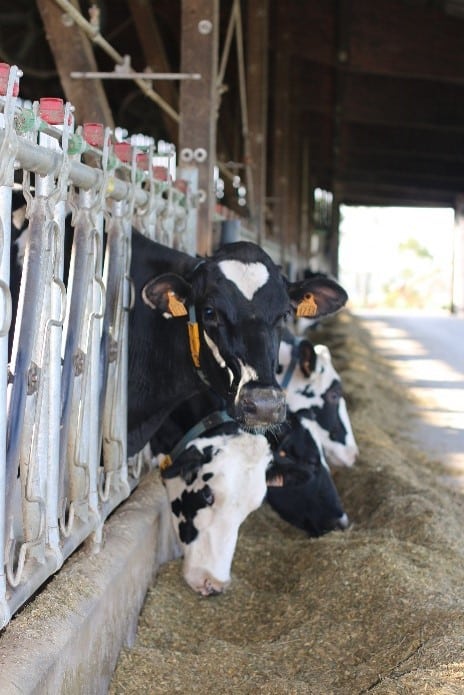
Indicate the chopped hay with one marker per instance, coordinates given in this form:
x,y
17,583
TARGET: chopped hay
x,y
376,609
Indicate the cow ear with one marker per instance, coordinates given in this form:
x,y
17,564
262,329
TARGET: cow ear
x,y
307,357
317,296
168,293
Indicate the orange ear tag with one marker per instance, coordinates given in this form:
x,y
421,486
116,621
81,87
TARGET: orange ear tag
x,y
194,340
175,307
307,306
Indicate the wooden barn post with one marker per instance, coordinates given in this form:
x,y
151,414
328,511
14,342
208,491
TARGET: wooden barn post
x,y
280,136
334,234
198,106
257,82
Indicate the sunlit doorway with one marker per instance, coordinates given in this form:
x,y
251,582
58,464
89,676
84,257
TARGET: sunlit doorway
x,y
397,258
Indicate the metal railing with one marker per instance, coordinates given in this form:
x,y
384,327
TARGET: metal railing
x,y
63,403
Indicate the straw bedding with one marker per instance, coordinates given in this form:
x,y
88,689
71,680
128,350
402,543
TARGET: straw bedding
x,y
376,609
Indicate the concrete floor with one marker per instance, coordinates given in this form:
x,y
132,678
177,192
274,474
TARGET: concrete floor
x,y
427,353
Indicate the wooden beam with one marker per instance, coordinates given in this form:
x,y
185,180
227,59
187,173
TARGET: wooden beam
x,y
342,9
198,103
311,26
394,177
404,142
280,135
316,93
370,193
152,45
388,37
379,166
257,88
295,166
392,37
72,51
334,236
306,204
382,100
389,101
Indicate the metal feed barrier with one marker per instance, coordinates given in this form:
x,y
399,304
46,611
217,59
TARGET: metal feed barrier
x,y
63,461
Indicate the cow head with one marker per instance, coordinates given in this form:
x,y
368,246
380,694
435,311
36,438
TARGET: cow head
x,y
217,482
300,487
235,304
315,389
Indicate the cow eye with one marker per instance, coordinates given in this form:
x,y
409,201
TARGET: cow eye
x,y
209,313
283,318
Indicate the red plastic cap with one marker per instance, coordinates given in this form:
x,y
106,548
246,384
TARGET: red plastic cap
x,y
142,161
160,173
94,134
123,151
4,76
51,110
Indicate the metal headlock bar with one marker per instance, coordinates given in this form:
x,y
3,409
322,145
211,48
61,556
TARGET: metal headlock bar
x,y
63,330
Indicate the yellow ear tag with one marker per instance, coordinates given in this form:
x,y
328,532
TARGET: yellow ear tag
x,y
175,307
194,340
307,306
165,463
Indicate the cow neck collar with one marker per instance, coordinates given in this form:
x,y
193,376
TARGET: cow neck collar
x,y
209,422
292,364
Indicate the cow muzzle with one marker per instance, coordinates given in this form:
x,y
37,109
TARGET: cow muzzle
x,y
260,406
204,583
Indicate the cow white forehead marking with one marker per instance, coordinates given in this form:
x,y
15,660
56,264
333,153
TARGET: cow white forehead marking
x,y
248,277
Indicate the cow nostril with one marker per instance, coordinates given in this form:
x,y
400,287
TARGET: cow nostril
x,y
209,589
249,406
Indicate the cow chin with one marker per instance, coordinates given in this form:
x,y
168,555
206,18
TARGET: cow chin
x,y
204,583
259,408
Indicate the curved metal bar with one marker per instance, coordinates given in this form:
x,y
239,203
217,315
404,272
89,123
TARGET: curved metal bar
x,y
6,323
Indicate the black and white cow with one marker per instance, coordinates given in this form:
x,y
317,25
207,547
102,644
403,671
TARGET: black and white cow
x,y
314,391
217,474
214,484
312,502
211,323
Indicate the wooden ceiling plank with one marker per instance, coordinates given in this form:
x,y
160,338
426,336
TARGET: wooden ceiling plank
x,y
390,37
423,167
311,26
404,142
355,192
410,103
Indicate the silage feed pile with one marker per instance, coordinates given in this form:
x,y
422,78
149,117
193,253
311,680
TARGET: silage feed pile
x,y
376,609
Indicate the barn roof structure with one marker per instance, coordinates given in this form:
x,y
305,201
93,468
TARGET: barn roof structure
x,y
360,101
